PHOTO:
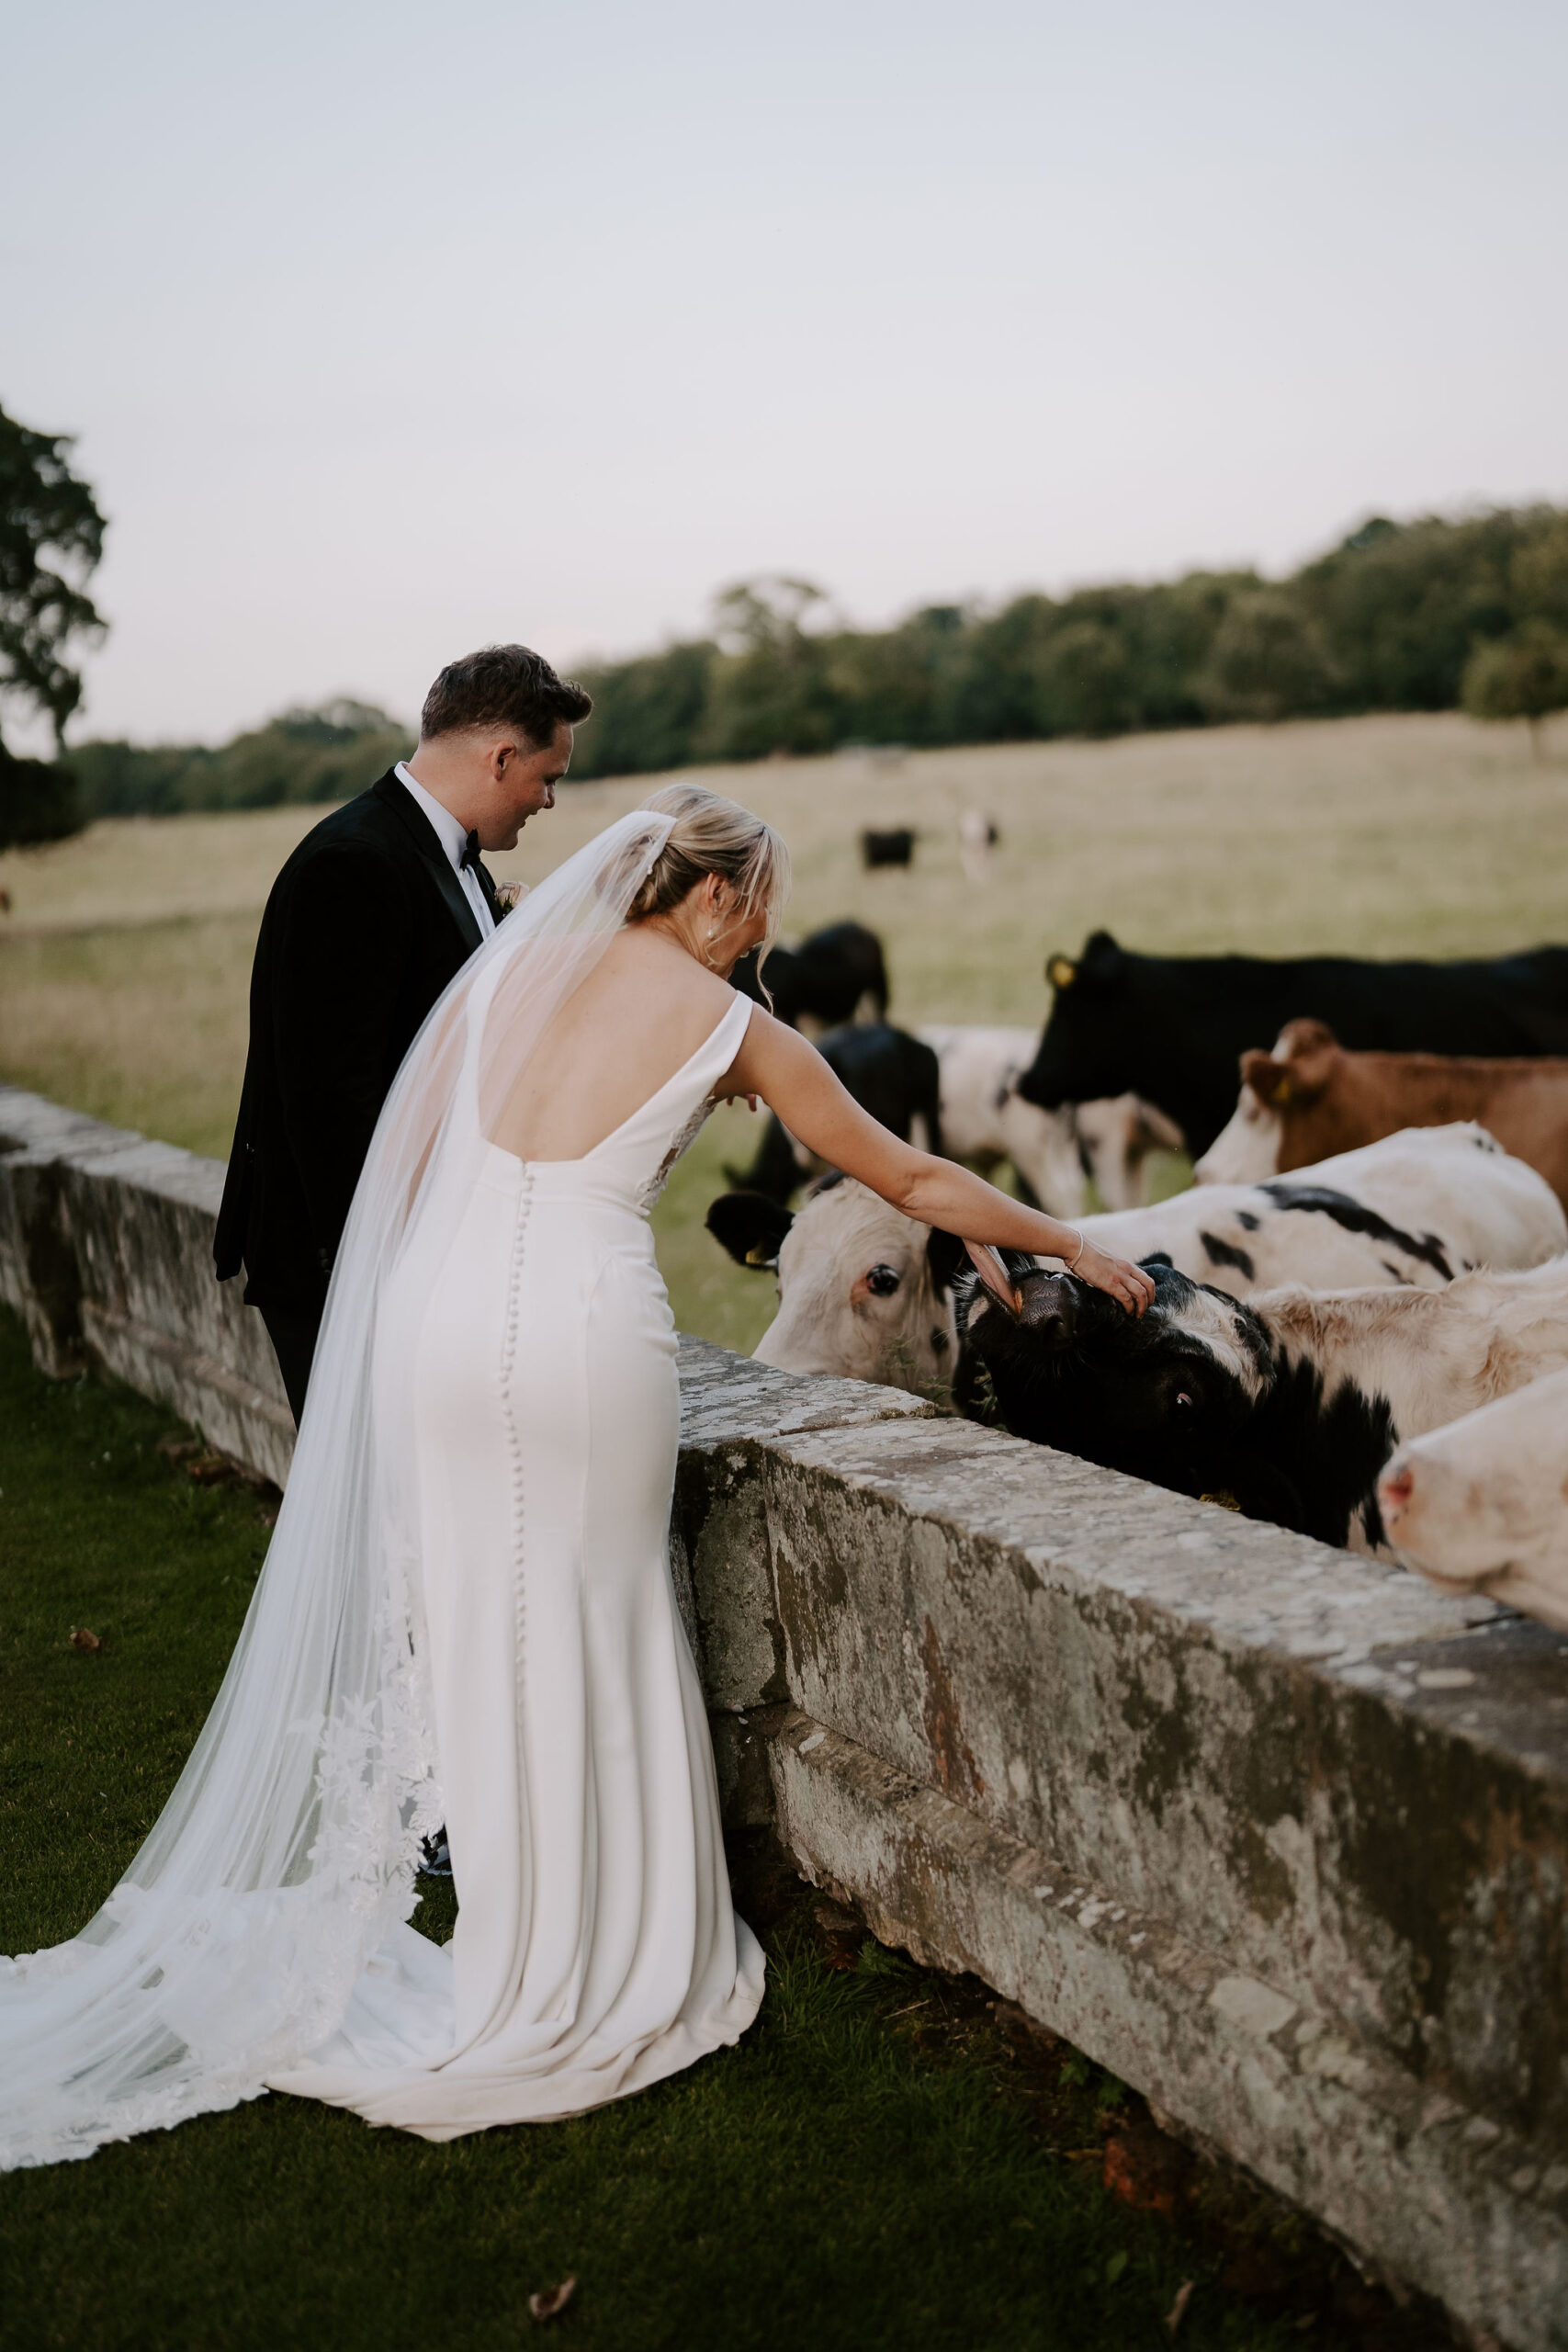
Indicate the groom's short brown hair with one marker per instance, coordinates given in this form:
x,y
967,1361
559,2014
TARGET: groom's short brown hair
x,y
503,686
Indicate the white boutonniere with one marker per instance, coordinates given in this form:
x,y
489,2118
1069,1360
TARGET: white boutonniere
x,y
507,896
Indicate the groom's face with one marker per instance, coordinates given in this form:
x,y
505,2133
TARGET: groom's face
x,y
524,782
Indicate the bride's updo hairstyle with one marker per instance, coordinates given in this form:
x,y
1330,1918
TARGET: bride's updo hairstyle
x,y
712,835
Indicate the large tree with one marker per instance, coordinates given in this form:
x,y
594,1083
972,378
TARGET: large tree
x,y
51,536
1523,675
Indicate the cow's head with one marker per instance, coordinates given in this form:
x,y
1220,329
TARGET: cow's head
x,y
1277,1089
864,1292
1086,1050
1483,1503
1166,1395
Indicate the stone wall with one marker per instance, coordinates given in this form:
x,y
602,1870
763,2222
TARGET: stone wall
x,y
1278,1834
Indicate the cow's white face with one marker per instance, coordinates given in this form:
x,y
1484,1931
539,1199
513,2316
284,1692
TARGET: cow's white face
x,y
1487,1494
1247,1149
857,1297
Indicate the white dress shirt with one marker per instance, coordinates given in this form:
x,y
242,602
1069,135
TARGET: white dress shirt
x,y
452,838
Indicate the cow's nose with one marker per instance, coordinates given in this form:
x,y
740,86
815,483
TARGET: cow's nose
x,y
1394,1489
1048,1308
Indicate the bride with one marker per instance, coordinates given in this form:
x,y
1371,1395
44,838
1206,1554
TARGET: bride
x,y
466,1613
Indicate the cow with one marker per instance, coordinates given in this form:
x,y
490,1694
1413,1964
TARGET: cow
x,y
865,1292
1409,1213
1286,1406
986,1120
977,837
1482,1504
894,848
1172,1028
835,975
1309,1097
892,1075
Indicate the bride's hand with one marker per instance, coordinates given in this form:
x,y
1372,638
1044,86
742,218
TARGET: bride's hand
x,y
1130,1284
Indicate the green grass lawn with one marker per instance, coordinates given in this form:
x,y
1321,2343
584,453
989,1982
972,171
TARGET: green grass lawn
x,y
882,2161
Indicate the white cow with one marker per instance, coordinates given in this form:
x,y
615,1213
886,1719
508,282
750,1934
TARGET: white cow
x,y
985,1120
1410,1212
977,837
1482,1504
864,1292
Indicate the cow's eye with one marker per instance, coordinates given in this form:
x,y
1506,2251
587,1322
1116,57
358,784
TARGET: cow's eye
x,y
881,1281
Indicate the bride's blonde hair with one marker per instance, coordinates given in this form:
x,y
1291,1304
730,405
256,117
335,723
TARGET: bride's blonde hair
x,y
712,835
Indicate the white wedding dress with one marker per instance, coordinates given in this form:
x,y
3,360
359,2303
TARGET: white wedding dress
x,y
466,1614
596,1948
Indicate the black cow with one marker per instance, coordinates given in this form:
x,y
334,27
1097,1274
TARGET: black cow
x,y
1172,1028
894,848
826,979
890,1074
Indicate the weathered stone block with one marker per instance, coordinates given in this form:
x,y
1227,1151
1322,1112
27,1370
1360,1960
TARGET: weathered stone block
x,y
106,1251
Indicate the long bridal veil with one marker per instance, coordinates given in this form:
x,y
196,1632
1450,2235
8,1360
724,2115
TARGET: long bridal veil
x,y
230,1949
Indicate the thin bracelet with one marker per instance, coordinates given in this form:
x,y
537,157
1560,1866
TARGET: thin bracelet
x,y
1078,1230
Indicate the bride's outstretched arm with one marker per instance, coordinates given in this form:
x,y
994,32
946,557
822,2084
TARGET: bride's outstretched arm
x,y
792,1079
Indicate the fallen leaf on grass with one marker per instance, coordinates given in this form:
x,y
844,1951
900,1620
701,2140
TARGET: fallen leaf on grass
x,y
212,1469
1177,2311
82,1638
1141,2170
550,2300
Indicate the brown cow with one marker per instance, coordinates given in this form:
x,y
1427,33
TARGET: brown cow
x,y
1310,1099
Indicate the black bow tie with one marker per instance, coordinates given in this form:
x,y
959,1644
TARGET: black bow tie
x,y
470,852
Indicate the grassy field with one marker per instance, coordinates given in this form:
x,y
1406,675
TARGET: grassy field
x,y
884,2161
125,959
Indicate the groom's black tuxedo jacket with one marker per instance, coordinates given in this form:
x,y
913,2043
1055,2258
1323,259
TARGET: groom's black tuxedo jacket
x,y
365,926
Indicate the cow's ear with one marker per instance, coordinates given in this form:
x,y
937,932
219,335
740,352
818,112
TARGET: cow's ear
x,y
1102,963
945,1255
1266,1078
750,1226
1310,1055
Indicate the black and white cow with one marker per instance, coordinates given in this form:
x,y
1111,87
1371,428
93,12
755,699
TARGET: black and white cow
x,y
837,975
986,1120
1172,1028
1410,1212
894,1076
1288,1406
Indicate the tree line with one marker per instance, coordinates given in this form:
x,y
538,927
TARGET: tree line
x,y
1422,615
1429,615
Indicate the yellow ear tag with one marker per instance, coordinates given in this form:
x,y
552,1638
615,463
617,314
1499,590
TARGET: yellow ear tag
x,y
1282,1093
1061,971
759,1254
1223,1496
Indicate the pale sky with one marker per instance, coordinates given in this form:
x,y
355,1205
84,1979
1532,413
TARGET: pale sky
x,y
388,330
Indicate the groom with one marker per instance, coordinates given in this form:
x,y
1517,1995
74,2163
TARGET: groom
x,y
371,917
